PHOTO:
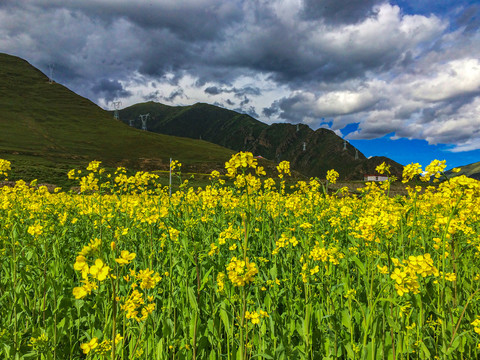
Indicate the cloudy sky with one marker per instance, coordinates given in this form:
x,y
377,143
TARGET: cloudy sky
x,y
395,78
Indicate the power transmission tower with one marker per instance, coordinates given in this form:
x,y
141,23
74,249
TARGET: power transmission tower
x,y
304,146
356,154
131,122
144,119
298,127
50,77
116,106
344,144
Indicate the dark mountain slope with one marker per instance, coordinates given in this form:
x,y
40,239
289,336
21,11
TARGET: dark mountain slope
x,y
310,152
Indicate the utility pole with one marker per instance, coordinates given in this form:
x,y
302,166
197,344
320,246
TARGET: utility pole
x,y
116,106
50,77
144,119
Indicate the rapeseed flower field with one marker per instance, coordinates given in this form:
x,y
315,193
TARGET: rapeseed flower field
x,y
255,270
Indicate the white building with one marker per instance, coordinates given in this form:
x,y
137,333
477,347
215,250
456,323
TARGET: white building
x,y
375,178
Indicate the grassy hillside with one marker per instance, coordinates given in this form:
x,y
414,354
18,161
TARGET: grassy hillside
x,y
46,129
324,150
471,170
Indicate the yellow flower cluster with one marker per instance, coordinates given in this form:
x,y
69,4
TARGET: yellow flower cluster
x,y
229,233
5,166
332,255
255,316
35,230
148,278
175,164
99,348
405,275
125,258
242,160
40,344
89,346
88,183
283,169
435,169
332,176
98,271
410,171
383,168
241,272
220,281
283,242
133,306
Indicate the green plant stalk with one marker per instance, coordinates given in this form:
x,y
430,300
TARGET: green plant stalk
x,y
242,323
442,297
114,317
15,325
461,317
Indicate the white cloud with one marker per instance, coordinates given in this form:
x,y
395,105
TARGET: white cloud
x,y
386,33
457,77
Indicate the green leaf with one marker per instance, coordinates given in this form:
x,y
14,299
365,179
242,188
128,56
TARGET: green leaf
x,y
192,299
265,356
350,353
273,271
346,319
225,320
205,278
359,264
425,350
300,329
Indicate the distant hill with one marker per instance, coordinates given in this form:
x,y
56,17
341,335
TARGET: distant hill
x,y
310,152
46,129
471,170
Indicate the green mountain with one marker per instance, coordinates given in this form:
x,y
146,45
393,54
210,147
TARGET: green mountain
x,y
310,152
46,129
471,170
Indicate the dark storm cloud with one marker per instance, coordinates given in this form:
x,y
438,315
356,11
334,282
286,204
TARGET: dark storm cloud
x,y
189,20
153,96
213,90
339,11
110,89
211,40
469,18
376,60
271,110
248,111
245,101
178,93
238,92
292,109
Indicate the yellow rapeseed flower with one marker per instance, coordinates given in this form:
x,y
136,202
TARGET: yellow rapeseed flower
x,y
125,258
87,347
99,271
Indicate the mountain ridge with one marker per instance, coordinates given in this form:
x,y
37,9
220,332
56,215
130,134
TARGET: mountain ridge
x,y
311,152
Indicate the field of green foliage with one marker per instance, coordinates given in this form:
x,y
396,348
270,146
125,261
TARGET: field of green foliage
x,y
255,270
